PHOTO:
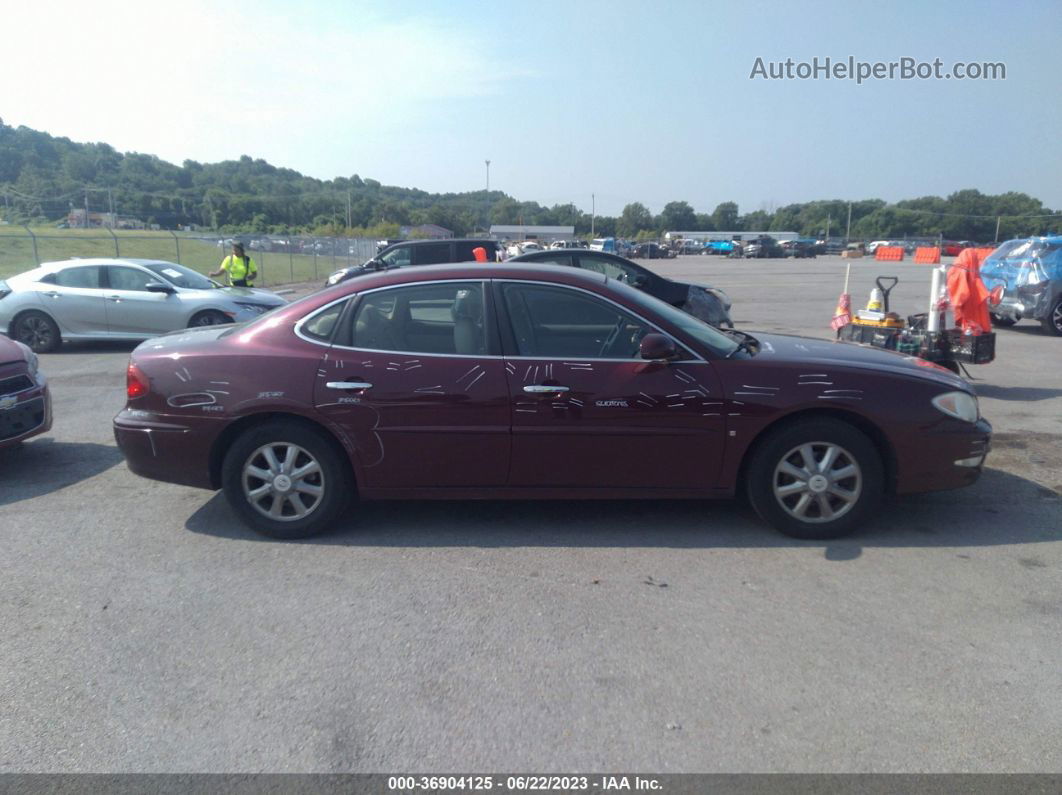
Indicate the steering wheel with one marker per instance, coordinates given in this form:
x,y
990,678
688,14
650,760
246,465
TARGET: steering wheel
x,y
613,335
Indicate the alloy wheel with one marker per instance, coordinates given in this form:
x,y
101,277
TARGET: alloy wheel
x,y
35,332
283,481
817,482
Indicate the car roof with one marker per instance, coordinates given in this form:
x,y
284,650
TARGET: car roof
x,y
560,274
69,263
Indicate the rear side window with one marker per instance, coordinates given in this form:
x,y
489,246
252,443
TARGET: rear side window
x,y
87,277
431,254
446,318
321,325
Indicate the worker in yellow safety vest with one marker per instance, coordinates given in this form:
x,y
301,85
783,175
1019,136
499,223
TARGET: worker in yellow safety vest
x,y
241,269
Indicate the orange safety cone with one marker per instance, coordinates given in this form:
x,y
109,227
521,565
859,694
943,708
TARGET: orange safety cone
x,y
480,254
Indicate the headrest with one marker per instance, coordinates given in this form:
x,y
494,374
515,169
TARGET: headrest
x,y
468,304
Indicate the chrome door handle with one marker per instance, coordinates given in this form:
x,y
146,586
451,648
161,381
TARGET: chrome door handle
x,y
541,389
115,298
348,385
54,294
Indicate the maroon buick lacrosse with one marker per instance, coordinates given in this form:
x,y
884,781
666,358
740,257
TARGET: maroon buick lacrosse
x,y
514,382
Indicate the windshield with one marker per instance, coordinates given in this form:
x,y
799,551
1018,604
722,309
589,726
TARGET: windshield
x,y
180,276
712,338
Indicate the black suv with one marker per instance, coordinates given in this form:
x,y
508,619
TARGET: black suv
x,y
420,252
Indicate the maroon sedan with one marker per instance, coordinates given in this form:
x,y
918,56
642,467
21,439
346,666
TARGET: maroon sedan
x,y
25,404
459,382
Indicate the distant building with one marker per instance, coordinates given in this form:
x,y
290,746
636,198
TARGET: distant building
x,y
521,232
739,235
76,220
426,232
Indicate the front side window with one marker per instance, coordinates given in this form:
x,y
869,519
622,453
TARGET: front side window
x,y
129,279
444,318
554,259
556,322
397,257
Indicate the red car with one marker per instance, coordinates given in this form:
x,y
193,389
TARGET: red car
x,y
953,248
529,381
25,403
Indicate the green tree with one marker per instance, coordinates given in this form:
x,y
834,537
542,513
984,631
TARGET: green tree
x,y
634,218
678,217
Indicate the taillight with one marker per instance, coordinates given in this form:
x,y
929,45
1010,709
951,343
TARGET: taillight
x,y
136,383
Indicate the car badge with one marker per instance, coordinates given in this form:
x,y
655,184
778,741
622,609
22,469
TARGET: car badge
x,y
8,402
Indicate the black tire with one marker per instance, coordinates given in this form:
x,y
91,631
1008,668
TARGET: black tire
x,y
335,480
38,331
1004,322
1052,324
208,317
852,447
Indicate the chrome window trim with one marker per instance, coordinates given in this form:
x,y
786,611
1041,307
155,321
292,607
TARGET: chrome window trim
x,y
349,296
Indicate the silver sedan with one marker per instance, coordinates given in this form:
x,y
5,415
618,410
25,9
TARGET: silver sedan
x,y
118,299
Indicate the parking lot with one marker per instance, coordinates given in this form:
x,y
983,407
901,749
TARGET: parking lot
x,y
146,629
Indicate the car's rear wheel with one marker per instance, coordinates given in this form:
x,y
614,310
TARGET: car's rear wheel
x,y
286,480
1005,322
816,479
1052,324
209,317
38,331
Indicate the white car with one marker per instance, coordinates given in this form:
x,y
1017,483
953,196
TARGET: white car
x,y
119,299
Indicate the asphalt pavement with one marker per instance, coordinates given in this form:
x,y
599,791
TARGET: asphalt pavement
x,y
144,629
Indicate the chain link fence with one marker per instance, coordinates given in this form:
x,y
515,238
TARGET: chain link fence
x,y
281,259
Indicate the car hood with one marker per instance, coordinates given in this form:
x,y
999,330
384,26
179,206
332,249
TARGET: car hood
x,y
254,295
811,351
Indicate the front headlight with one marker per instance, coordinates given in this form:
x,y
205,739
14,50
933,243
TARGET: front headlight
x,y
960,405
32,361
257,309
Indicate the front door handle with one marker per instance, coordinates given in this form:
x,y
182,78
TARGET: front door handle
x,y
541,389
53,294
348,385
115,298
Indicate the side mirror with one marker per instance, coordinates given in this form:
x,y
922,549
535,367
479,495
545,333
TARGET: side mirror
x,y
159,287
657,347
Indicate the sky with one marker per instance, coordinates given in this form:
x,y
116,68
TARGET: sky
x,y
593,103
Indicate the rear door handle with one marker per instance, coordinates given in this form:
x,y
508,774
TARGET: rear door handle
x,y
348,385
541,389
115,298
53,294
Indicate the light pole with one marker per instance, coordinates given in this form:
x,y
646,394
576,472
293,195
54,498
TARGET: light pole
x,y
488,175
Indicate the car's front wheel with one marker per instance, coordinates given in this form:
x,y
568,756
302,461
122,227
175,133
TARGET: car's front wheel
x,y
209,317
1052,324
286,480
38,331
816,479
